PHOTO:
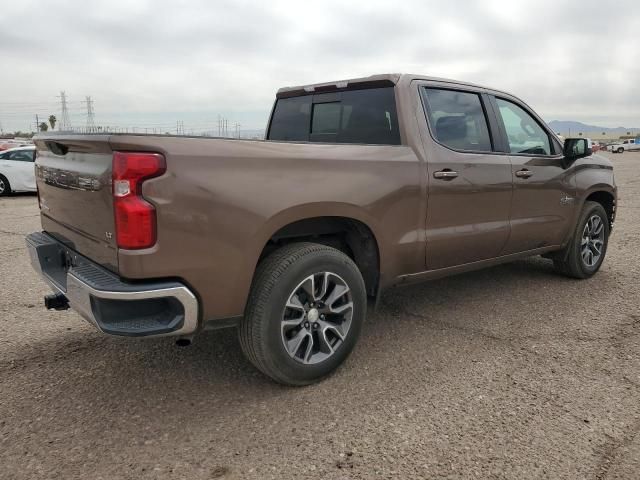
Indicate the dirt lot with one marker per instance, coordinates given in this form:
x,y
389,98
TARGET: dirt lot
x,y
511,372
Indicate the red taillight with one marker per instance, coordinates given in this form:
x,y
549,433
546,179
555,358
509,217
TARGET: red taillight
x,y
135,217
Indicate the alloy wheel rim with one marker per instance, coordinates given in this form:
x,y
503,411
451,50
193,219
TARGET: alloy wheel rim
x,y
2,186
592,242
317,318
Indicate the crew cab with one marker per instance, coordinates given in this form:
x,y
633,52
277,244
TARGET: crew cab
x,y
360,185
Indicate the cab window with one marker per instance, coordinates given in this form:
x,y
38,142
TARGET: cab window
x,y
366,116
457,119
524,134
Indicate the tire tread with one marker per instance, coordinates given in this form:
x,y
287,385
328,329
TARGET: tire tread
x,y
267,275
568,261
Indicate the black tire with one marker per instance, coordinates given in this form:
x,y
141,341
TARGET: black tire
x,y
620,150
276,279
570,261
5,187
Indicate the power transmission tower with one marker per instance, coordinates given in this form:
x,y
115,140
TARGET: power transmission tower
x,y
91,126
236,127
65,123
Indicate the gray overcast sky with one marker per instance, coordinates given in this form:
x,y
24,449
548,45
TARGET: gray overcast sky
x,y
153,62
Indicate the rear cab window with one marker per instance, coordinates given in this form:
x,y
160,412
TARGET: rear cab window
x,y
366,116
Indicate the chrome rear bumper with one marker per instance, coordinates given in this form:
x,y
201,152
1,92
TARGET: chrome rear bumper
x,y
112,305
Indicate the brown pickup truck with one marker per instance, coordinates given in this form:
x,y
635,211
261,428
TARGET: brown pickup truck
x,y
360,185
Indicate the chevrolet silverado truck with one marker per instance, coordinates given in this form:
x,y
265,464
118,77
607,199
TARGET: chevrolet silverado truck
x,y
360,185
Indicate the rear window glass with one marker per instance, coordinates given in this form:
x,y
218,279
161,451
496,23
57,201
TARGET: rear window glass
x,y
354,116
290,120
326,117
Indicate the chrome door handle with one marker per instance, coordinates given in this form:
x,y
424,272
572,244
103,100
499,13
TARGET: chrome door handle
x,y
524,173
445,174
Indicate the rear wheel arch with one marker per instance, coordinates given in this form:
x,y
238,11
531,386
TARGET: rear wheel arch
x,y
349,235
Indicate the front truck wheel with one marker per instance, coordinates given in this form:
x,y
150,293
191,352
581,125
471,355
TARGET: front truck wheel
x,y
305,312
584,254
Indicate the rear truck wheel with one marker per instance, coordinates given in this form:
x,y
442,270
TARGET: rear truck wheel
x,y
620,150
305,312
5,188
584,254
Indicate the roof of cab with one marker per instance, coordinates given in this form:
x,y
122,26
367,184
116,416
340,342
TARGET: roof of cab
x,y
380,80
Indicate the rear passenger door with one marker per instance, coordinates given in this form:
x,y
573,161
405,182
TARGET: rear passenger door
x,y
543,190
469,181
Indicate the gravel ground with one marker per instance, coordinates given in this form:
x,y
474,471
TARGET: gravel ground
x,y
510,372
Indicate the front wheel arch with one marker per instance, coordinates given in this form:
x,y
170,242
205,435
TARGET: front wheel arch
x,y
570,260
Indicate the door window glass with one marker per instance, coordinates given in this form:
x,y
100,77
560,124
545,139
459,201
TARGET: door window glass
x,y
22,156
457,119
524,134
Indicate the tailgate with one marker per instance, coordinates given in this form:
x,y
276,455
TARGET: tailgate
x,y
73,175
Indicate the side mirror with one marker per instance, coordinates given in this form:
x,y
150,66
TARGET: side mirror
x,y
575,148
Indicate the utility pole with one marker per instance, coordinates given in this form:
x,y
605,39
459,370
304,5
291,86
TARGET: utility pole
x,y
90,117
236,127
65,123
37,123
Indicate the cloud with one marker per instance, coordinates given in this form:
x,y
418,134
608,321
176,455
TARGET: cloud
x,y
154,61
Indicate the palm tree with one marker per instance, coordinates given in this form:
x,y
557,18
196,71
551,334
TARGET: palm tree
x,y
44,127
52,121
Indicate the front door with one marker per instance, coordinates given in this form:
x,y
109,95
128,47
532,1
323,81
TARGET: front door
x,y
22,168
543,192
469,184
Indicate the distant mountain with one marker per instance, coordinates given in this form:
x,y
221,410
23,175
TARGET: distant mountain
x,y
570,126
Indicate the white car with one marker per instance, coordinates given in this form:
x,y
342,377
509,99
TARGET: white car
x,y
626,146
17,171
